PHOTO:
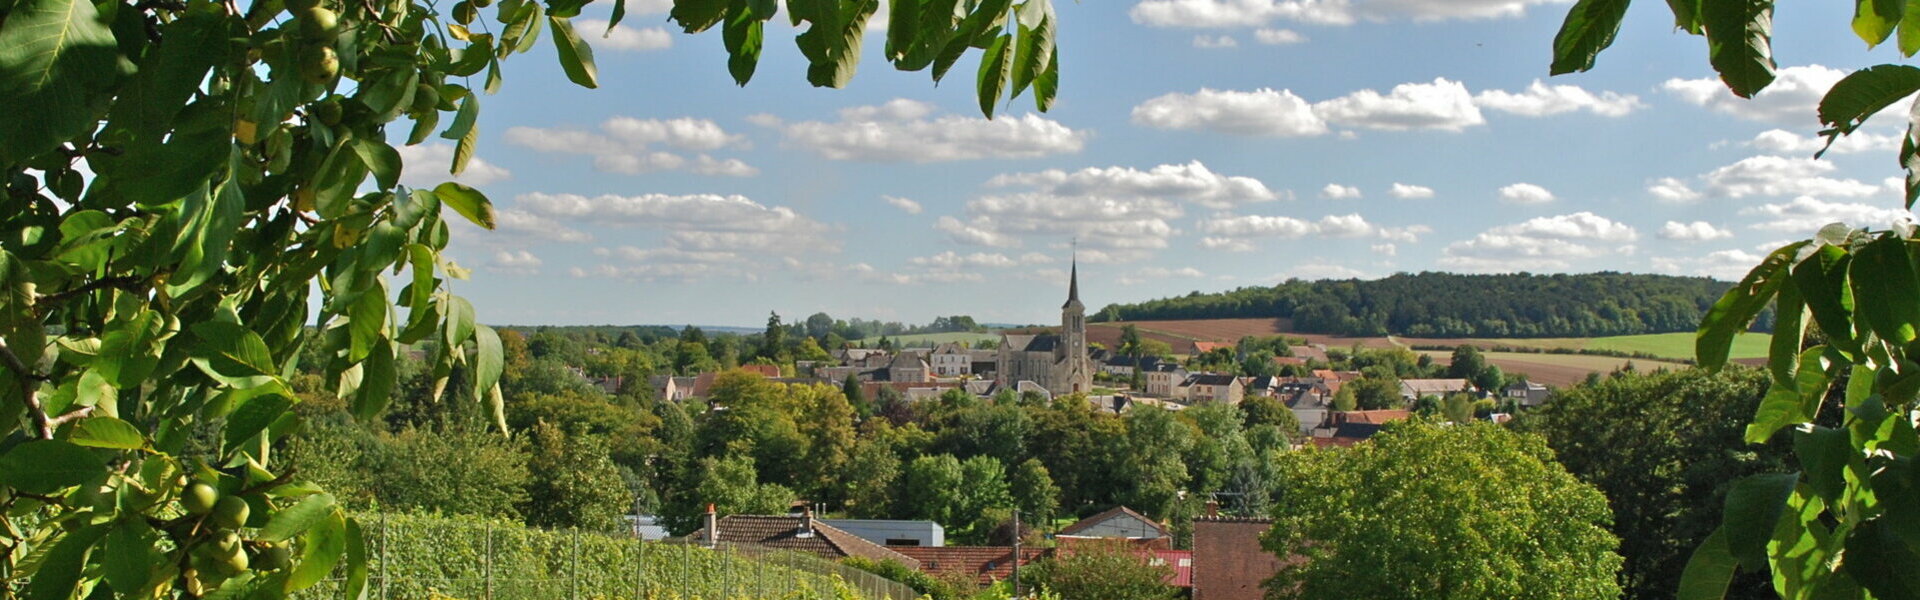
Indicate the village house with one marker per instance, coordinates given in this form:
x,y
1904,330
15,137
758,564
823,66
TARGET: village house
x,y
1346,428
1228,562
1212,387
798,533
1163,378
951,360
1415,389
1527,393
1119,523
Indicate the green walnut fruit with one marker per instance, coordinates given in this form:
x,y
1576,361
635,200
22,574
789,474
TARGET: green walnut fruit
x,y
329,111
274,557
319,24
230,512
319,64
198,499
464,13
230,563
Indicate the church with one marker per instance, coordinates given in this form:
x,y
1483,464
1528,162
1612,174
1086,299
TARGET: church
x,y
1057,362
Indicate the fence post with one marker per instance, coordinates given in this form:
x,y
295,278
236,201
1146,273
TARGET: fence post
x,y
639,568
386,570
486,566
573,570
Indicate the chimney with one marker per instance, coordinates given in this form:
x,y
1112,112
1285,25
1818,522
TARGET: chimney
x,y
712,527
1213,508
806,523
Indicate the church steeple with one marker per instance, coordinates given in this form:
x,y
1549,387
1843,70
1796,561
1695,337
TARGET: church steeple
x,y
1073,286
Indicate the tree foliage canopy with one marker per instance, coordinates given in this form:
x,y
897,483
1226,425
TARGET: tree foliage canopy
x,y
1431,511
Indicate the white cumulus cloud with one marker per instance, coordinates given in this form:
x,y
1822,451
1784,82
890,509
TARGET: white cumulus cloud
x,y
1542,243
623,37
631,146
1805,215
1252,13
426,165
1525,193
1335,191
1206,41
1697,231
1407,191
1192,182
1278,37
1267,112
906,205
1540,99
1441,104
904,130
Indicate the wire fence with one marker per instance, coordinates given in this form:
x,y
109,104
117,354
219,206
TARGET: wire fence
x,y
431,558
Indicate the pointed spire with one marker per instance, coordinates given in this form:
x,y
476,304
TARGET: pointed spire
x,y
1073,281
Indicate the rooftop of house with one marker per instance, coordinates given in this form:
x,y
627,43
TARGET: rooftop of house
x,y
985,563
801,533
1210,379
1155,529
1435,386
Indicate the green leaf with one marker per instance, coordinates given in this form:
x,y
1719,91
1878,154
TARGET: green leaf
x,y
1789,332
832,43
1821,280
1754,505
576,57
367,322
463,151
744,36
381,159
232,354
130,350
1882,564
619,12
1874,20
323,544
60,572
129,556
1861,94
1709,571
695,16
207,236
1735,310
1047,84
1034,52
253,416
377,379
355,587
56,57
106,432
46,466
469,202
460,324
1823,454
995,64
1909,37
295,520
1590,27
1739,42
1686,15
488,359
1884,286
463,120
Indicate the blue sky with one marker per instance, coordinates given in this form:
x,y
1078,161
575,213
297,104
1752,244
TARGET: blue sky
x,y
1285,138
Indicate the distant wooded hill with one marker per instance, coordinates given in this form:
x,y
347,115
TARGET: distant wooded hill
x,y
1454,305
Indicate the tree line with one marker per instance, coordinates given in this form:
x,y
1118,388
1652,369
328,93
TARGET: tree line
x,y
1431,304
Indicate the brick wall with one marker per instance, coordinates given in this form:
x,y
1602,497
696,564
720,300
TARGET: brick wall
x,y
1228,563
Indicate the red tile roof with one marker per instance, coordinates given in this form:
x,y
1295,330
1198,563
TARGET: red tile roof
x,y
1374,417
986,564
762,370
1205,347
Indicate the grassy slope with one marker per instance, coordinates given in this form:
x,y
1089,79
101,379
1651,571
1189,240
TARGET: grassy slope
x,y
1677,345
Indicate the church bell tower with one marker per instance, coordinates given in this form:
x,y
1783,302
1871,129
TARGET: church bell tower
x,y
1078,373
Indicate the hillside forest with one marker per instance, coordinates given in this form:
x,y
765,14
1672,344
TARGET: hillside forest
x,y
1432,304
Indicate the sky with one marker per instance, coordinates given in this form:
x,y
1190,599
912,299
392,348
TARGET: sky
x,y
1195,145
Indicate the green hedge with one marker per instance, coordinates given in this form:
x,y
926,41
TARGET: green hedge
x,y
466,558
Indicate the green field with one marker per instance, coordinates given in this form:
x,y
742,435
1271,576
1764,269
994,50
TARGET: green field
x,y
1677,345
930,339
